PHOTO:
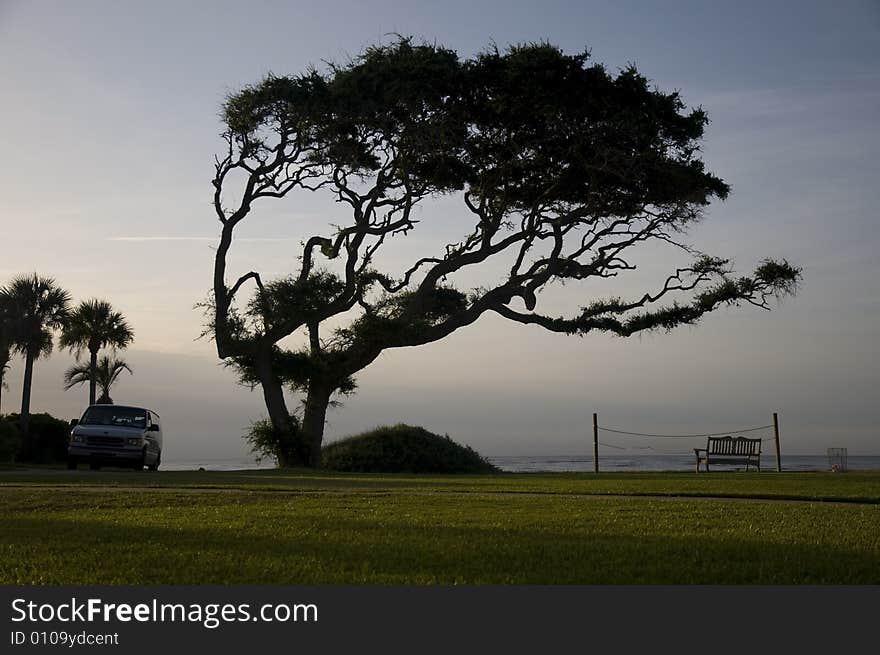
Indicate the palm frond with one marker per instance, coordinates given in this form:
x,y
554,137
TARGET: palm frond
x,y
94,325
33,307
107,373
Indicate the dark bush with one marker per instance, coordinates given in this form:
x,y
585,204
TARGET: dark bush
x,y
10,441
402,449
46,441
268,443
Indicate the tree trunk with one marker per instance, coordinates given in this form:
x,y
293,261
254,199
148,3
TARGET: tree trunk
x,y
1,394
25,417
93,372
314,418
273,395
283,460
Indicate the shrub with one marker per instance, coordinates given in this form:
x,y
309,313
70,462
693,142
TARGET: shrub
x,y
46,441
268,443
10,441
405,449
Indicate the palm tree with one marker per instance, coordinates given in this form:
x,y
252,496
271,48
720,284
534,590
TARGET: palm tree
x,y
6,328
93,325
5,356
106,373
37,307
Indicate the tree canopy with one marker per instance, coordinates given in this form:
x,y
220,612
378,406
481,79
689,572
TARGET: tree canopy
x,y
93,325
104,374
563,168
35,307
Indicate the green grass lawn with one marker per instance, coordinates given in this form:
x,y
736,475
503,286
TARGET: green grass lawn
x,y
268,527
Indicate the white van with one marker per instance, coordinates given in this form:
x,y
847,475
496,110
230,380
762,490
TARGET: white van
x,y
116,435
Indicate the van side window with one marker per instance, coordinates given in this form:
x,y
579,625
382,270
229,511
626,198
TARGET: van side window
x,y
155,420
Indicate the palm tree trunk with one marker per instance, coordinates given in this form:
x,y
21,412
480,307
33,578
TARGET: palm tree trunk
x,y
105,395
25,417
1,394
93,372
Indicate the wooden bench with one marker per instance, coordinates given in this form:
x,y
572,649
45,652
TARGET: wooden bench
x,y
730,450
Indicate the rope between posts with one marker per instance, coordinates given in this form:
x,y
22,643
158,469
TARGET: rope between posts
x,y
685,436
651,448
608,445
702,435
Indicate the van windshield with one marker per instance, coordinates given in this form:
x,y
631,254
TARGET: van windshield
x,y
123,417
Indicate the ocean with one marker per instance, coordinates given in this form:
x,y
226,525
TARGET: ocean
x,y
579,463
666,462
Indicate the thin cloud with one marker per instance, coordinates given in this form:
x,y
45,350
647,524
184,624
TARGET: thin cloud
x,y
208,239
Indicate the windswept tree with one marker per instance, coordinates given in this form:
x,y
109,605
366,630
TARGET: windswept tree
x,y
37,307
91,326
562,170
104,372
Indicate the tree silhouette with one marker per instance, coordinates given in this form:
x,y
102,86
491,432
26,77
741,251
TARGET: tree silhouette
x,y
5,356
562,169
104,372
6,327
37,308
94,325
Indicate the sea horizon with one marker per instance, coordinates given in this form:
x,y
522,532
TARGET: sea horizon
x,y
572,463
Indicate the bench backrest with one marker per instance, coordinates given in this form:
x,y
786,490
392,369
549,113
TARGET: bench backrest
x,y
733,446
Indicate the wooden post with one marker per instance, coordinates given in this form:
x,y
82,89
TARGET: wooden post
x,y
776,438
595,442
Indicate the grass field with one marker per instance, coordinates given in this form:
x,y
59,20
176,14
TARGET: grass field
x,y
300,527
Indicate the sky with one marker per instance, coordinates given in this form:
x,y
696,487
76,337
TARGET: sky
x,y
110,122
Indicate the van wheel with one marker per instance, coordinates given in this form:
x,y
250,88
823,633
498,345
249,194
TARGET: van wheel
x,y
142,462
71,464
155,465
